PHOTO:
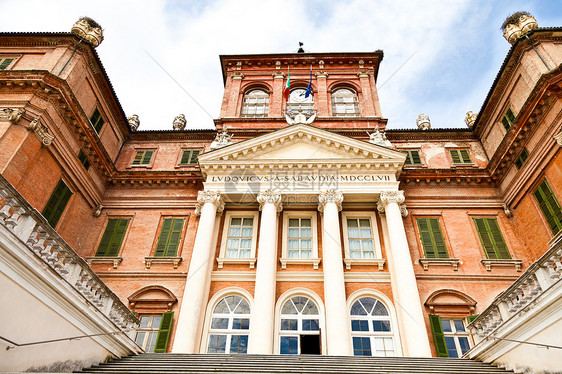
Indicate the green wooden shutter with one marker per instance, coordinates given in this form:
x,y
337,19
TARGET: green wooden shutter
x,y
549,206
194,156
491,238
138,157
485,237
4,63
416,159
455,156
164,332
497,238
169,238
185,156
112,237
147,157
471,318
175,237
465,156
438,336
56,204
96,120
164,237
432,238
84,159
522,158
510,115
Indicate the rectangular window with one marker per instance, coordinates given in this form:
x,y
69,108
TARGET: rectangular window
x,y
508,119
147,332
289,345
550,206
522,158
143,157
299,238
240,234
491,238
170,236
432,238
361,346
113,237
97,120
456,337
56,204
189,157
413,157
5,62
84,159
460,156
360,238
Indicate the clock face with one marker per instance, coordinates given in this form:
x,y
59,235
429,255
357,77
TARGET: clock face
x,y
298,96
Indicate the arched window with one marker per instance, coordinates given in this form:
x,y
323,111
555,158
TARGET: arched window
x,y
255,104
344,103
371,328
299,101
300,326
230,323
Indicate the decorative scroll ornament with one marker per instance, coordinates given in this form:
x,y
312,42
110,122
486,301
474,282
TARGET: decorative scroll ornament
x,y
134,122
558,138
387,197
41,132
403,210
209,197
330,196
98,210
470,119
222,139
378,137
300,118
11,115
179,122
423,122
270,197
508,213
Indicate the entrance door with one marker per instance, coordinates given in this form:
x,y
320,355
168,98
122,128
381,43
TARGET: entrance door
x,y
310,344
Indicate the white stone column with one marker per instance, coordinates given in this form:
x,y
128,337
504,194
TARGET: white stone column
x,y
407,297
197,285
338,331
263,311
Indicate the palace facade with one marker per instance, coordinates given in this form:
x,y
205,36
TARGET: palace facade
x,y
300,225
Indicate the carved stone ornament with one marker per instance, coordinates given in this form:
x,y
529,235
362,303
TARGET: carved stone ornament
x,y
507,211
558,138
300,118
222,139
270,197
423,122
330,196
403,210
511,33
41,132
209,197
179,122
11,115
470,119
88,29
98,210
387,197
134,122
378,137
527,23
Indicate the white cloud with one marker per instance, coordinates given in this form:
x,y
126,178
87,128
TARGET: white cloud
x,y
457,44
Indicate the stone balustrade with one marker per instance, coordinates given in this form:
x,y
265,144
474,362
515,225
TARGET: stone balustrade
x,y
25,222
539,277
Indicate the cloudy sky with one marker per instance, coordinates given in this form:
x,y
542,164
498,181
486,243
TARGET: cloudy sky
x,y
440,57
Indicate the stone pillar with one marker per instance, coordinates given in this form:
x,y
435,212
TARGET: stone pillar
x,y
198,276
338,332
263,311
407,299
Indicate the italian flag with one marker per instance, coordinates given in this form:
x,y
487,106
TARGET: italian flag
x,y
288,86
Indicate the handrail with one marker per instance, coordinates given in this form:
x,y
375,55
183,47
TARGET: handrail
x,y
15,345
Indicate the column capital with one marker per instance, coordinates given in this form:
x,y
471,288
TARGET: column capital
x,y
388,197
211,197
270,197
330,196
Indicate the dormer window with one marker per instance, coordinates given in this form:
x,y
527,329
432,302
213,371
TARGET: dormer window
x,y
345,103
255,104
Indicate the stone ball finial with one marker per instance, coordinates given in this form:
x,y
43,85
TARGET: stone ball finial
x,y
470,119
423,122
134,122
89,30
179,122
518,24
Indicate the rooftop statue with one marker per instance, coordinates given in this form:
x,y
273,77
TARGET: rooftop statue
x,y
378,137
222,139
179,122
299,118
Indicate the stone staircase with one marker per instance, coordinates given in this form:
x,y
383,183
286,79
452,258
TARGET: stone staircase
x,y
155,363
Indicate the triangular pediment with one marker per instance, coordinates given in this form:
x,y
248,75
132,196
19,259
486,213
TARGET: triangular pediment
x,y
302,146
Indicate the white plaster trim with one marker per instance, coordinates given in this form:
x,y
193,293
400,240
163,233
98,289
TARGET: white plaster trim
x,y
366,277
375,237
224,260
233,276
365,292
453,262
211,305
490,262
300,261
300,291
284,245
222,255
300,276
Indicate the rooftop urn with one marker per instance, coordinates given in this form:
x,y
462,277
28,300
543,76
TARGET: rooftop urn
x,y
134,122
89,30
470,119
179,122
423,122
518,24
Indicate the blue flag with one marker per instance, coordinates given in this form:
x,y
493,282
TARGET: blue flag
x,y
309,88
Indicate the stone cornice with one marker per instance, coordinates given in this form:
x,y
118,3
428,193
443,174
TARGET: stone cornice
x,y
465,176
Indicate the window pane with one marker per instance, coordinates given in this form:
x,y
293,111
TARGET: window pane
x,y
306,254
381,325
289,345
359,325
245,243
151,343
451,347
293,222
217,344
289,324
310,325
239,344
306,222
361,346
240,323
352,223
463,342
353,233
366,234
247,232
306,233
234,231
244,253
293,233
306,244
446,325
459,325
231,253
219,323
144,321
140,338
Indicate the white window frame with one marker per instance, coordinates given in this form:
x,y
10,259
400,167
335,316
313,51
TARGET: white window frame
x,y
377,260
229,332
149,331
314,260
299,318
251,261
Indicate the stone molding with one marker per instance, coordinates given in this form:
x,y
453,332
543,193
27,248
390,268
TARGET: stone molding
x,y
11,115
330,196
209,197
237,75
270,197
